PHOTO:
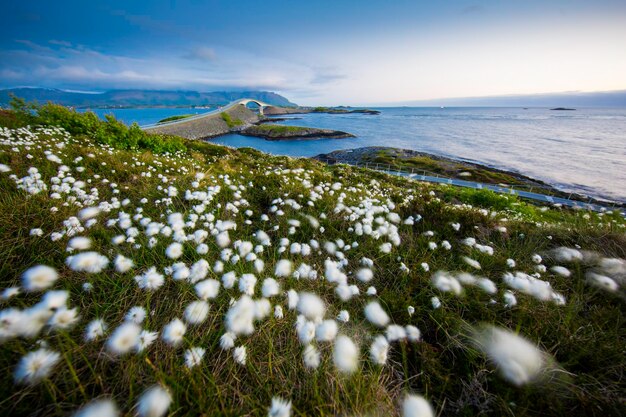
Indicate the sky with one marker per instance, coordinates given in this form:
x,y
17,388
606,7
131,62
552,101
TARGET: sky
x,y
317,52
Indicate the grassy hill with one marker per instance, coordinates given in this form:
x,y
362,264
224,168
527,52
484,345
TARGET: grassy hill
x,y
182,232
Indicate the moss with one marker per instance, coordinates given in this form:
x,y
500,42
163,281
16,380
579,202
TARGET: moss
x,y
230,122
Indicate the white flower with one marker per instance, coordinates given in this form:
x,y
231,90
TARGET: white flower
x,y
395,332
229,279
306,332
371,291
564,254
150,280
240,317
154,402
561,270
471,262
207,289
9,292
416,406
95,329
36,232
39,278
536,259
227,341
123,264
270,287
88,213
247,282
174,251
509,299
146,338
36,365
292,299
434,301
279,408
311,357
376,315
410,310
518,360
98,408
124,338
343,316
173,332
345,354
55,299
90,262
385,247
222,239
194,356
63,318
278,312
136,315
283,268
79,243
262,308
445,282
326,331
239,354
311,306
487,285
511,263
379,350
364,275
413,333
196,312
601,281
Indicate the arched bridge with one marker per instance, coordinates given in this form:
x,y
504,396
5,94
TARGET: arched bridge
x,y
219,110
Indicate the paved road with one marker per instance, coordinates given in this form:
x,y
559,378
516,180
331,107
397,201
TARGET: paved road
x,y
505,190
200,116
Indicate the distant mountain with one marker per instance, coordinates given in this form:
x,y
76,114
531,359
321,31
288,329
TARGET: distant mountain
x,y
566,99
136,98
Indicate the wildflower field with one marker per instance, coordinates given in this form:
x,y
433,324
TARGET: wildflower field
x,y
202,280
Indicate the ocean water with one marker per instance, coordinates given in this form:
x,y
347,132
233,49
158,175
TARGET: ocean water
x,y
577,151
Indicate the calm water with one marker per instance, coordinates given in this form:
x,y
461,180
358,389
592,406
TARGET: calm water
x,y
582,150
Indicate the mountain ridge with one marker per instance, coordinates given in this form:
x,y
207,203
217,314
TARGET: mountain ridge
x,y
138,97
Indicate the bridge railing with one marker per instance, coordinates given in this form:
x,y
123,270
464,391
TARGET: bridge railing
x,y
513,189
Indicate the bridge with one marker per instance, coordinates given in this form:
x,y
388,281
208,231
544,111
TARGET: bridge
x,y
241,102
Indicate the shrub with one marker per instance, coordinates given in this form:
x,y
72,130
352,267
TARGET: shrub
x,y
110,131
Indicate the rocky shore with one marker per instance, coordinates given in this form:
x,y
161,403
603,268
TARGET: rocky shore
x,y
430,164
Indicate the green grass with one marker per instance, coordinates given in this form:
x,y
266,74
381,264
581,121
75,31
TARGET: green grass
x,y
174,118
230,122
586,336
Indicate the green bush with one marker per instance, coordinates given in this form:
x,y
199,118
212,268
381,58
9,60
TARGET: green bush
x,y
110,131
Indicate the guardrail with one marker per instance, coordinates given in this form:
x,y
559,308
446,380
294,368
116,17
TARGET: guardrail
x,y
521,190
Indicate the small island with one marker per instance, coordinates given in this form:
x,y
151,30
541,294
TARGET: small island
x,y
563,109
280,132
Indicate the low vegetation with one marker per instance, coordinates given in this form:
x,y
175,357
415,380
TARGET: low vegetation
x,y
230,122
174,118
206,280
87,125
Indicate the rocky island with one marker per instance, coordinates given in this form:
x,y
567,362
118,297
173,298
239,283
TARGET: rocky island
x,y
281,132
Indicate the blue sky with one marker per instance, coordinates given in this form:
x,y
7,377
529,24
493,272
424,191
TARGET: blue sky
x,y
318,52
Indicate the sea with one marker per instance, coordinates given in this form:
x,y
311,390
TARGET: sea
x,y
582,151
